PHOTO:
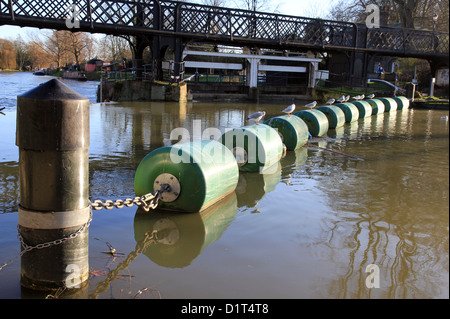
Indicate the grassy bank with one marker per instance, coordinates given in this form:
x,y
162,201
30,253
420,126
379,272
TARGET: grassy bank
x,y
324,94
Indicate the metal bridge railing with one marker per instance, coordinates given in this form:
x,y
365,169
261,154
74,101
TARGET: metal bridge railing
x,y
227,25
134,69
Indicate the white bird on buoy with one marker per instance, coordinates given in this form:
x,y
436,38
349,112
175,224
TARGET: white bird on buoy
x,y
362,97
311,105
341,99
371,96
357,98
330,101
256,117
289,109
347,98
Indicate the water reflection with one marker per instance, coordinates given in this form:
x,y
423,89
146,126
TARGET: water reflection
x,y
338,132
252,187
292,161
174,240
324,217
351,130
9,187
391,199
377,124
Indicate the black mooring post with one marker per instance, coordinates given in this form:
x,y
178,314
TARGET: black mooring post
x,y
53,139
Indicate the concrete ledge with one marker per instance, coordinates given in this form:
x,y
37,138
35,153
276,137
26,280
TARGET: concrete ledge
x,y
245,97
141,91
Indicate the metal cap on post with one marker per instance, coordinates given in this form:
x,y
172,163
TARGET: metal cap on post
x,y
53,139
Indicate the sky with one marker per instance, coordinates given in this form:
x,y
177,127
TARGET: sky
x,y
305,8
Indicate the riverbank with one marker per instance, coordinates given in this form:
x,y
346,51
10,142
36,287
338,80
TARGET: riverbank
x,y
431,103
9,71
91,76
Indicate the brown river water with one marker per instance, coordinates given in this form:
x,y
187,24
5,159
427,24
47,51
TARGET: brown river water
x,y
313,229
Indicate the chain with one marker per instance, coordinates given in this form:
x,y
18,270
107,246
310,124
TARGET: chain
x,y
147,201
27,248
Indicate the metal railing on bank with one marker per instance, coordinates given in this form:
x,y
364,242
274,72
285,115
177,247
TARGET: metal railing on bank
x,y
214,79
134,69
343,87
120,71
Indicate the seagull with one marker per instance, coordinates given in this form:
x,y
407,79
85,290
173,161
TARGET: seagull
x,y
347,98
341,99
256,116
289,109
357,98
371,96
311,105
330,101
362,97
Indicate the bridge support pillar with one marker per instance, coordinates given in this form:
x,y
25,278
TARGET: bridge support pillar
x,y
252,72
252,78
433,70
313,68
138,54
159,46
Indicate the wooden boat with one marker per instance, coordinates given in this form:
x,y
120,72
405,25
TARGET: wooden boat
x,y
80,76
38,72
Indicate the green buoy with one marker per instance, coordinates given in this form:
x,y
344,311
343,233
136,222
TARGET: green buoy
x,y
350,110
199,174
335,116
317,121
292,129
256,147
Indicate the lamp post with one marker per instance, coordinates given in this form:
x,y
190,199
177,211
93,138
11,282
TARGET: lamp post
x,y
433,78
435,18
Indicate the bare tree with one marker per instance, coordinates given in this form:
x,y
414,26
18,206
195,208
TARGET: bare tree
x,y
56,45
214,3
408,13
406,10
22,55
256,5
7,55
114,48
77,45
39,58
65,46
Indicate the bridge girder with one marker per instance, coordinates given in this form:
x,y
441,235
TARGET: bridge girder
x,y
159,24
